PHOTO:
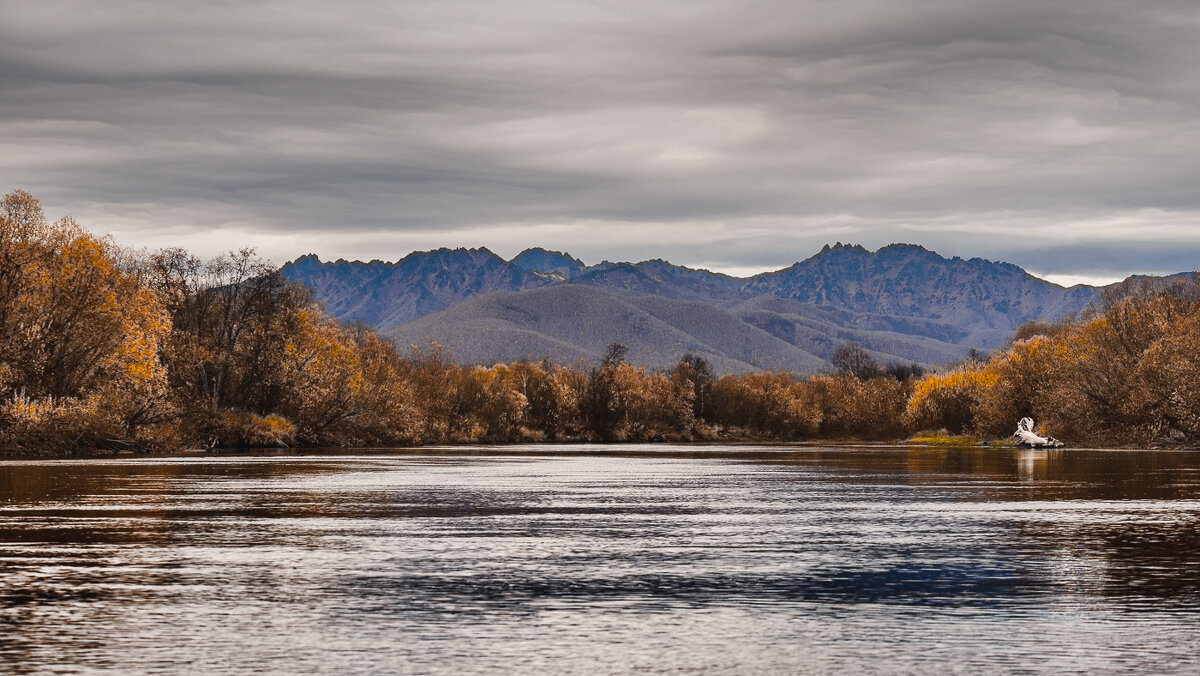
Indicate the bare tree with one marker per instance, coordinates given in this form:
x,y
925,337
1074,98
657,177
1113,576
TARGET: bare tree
x,y
852,358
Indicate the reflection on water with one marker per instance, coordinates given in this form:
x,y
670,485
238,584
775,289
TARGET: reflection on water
x,y
604,560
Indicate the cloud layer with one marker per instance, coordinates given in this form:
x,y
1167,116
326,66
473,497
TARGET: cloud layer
x,y
740,136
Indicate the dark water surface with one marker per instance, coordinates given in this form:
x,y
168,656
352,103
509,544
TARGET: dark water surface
x,y
595,560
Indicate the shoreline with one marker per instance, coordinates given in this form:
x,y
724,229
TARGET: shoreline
x,y
740,448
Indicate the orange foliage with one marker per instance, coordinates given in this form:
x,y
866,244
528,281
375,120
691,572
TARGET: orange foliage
x,y
103,349
79,335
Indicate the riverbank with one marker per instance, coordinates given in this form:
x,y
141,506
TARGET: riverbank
x,y
579,447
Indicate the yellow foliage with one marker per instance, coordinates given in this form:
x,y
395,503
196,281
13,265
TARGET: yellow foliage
x,y
935,384
80,332
100,348
949,400
248,430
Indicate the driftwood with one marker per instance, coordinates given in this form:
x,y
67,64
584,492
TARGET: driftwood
x,y
1027,437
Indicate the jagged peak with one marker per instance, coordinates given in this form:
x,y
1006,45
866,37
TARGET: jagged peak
x,y
838,246
668,264
308,257
659,263
893,247
896,246
461,251
415,254
855,251
549,252
314,259
608,265
825,251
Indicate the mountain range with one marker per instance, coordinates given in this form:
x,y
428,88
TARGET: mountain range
x,y
904,303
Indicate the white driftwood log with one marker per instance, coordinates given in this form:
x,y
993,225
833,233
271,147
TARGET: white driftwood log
x,y
1026,436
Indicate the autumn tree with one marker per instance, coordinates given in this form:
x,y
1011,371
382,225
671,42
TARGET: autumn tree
x,y
765,405
695,374
387,411
613,391
552,394
319,378
1169,373
666,408
1028,379
850,357
948,400
24,251
451,398
502,408
79,331
848,407
232,317
252,355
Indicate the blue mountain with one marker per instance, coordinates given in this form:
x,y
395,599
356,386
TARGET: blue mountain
x,y
553,265
386,294
903,302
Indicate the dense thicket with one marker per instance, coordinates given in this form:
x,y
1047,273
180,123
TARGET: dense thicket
x,y
103,349
1128,373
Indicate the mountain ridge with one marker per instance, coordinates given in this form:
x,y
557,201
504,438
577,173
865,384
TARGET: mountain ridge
x,y
903,301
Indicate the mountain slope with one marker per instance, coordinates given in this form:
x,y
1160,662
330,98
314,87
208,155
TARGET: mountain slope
x,y
984,297
819,330
910,281
569,322
386,294
660,278
903,302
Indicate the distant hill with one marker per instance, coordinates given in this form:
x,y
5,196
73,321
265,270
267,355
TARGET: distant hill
x,y
903,302
660,278
569,322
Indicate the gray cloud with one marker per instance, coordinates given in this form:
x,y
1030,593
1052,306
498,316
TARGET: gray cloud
x,y
736,135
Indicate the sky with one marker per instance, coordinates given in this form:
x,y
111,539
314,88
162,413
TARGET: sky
x,y
734,135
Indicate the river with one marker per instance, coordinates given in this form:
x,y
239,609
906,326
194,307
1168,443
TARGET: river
x,y
604,559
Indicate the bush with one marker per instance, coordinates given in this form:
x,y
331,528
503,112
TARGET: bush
x,y
948,400
238,429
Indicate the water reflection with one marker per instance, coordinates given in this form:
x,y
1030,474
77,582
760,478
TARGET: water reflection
x,y
1032,464
607,559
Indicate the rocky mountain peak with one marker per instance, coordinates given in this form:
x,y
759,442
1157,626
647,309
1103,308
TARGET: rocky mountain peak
x,y
548,262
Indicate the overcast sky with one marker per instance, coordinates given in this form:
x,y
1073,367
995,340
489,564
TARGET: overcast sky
x,y
737,135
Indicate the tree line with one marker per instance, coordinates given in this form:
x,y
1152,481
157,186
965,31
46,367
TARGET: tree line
x,y
103,348
1126,372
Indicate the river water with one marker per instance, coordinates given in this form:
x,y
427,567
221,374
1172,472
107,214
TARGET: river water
x,y
594,560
